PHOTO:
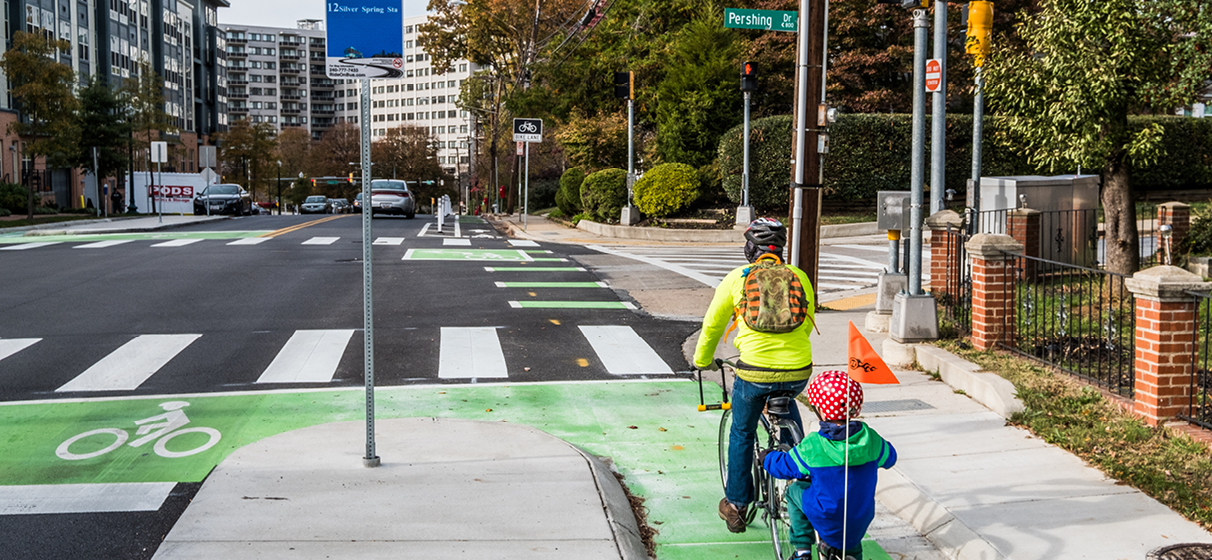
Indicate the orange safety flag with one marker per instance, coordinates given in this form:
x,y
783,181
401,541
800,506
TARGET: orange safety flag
x,y
865,365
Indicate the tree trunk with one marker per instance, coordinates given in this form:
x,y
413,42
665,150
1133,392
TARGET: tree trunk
x,y
1119,211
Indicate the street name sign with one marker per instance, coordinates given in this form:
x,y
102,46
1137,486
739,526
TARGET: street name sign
x,y
769,20
365,39
934,75
528,130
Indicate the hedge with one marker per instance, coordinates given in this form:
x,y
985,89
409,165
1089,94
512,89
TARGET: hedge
x,y
603,194
870,153
568,197
666,188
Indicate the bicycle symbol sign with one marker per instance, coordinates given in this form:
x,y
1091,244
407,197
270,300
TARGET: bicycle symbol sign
x,y
161,428
528,130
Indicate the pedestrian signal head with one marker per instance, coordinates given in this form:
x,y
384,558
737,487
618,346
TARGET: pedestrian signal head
x,y
748,76
624,85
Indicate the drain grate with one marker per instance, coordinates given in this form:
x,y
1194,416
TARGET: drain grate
x,y
901,405
1188,551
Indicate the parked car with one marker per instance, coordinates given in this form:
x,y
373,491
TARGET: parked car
x,y
223,198
340,206
390,196
357,204
315,205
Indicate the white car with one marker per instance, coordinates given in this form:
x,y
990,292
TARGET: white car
x,y
391,196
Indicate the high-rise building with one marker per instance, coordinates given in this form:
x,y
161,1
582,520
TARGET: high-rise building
x,y
277,76
110,38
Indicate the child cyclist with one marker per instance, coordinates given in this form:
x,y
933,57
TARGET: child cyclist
x,y
833,494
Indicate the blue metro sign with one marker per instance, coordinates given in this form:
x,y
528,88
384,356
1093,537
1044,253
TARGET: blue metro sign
x,y
365,39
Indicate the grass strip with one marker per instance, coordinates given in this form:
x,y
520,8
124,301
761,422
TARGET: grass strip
x,y
1172,467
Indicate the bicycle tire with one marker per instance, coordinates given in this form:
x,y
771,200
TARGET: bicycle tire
x,y
780,521
724,439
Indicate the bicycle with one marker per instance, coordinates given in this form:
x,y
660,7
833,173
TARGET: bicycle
x,y
781,433
161,428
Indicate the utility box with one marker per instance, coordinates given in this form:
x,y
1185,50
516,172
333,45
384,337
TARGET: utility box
x,y
1068,207
892,210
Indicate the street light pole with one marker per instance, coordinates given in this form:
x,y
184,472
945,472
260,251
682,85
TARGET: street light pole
x,y
279,187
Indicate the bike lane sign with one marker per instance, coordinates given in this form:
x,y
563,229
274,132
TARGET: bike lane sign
x,y
528,130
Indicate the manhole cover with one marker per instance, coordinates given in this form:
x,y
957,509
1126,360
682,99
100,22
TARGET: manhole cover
x,y
1188,551
901,405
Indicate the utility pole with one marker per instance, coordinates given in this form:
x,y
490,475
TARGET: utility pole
x,y
806,177
938,122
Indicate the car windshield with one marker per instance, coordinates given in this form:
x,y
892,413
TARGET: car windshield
x,y
385,185
314,199
223,189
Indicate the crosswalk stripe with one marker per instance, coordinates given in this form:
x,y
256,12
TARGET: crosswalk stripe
x,y
321,241
522,243
24,246
389,241
876,248
457,242
250,241
534,269
177,243
623,352
102,244
552,285
10,346
130,365
467,352
310,356
83,498
531,304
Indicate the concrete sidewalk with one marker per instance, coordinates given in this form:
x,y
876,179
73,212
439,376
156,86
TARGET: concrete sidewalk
x,y
122,224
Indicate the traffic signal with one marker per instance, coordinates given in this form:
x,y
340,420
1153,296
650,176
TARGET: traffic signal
x,y
624,85
749,76
980,26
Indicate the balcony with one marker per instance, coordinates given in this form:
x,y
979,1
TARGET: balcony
x,y
292,42
240,53
237,95
239,40
291,96
292,68
284,56
323,112
233,109
234,82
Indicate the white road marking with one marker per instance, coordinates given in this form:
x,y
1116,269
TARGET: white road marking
x,y
623,352
24,246
102,244
250,241
310,356
424,229
40,499
523,243
10,346
321,241
877,248
852,260
467,352
708,280
177,243
389,241
456,242
130,365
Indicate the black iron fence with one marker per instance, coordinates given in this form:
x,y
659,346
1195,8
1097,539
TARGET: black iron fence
x,y
955,301
1199,409
1078,319
1078,236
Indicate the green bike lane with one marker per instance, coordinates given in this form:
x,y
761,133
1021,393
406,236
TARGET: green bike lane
x,y
665,449
134,236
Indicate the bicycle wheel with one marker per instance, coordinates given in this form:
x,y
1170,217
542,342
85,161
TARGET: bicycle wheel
x,y
780,522
725,438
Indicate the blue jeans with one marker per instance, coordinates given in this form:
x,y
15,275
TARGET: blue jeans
x,y
748,399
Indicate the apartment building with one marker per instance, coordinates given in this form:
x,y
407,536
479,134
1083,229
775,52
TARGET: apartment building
x,y
109,38
277,76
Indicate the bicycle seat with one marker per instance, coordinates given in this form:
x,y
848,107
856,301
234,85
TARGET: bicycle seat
x,y
779,406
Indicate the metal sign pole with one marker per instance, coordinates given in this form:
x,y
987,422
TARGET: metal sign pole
x,y
938,122
801,135
745,162
368,324
921,27
160,194
526,197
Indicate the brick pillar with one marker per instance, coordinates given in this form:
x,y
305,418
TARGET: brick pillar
x,y
1023,225
992,288
1178,216
944,272
1165,327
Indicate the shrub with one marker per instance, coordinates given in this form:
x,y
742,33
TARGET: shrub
x,y
543,193
769,163
568,197
711,187
45,210
603,195
5,212
666,189
13,197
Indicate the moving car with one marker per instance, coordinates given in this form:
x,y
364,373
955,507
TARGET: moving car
x,y
391,196
317,204
357,204
339,205
224,198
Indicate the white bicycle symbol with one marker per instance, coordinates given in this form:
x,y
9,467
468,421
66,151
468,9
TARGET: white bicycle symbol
x,y
528,127
162,428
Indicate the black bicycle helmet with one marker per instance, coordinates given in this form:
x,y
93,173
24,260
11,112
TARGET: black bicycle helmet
x,y
764,235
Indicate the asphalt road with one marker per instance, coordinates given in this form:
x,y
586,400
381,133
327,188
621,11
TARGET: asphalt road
x,y
197,314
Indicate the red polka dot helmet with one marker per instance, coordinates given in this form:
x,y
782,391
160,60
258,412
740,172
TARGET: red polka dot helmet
x,y
827,393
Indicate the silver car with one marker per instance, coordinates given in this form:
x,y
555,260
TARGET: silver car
x,y
391,196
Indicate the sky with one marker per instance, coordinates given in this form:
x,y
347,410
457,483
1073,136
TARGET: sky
x,y
284,13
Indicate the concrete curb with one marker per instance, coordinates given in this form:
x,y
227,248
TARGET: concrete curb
x,y
618,509
711,235
932,519
990,389
46,232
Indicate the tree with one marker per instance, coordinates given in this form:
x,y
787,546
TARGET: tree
x,y
340,146
1084,67
42,88
248,148
102,127
144,98
595,142
293,151
699,98
408,153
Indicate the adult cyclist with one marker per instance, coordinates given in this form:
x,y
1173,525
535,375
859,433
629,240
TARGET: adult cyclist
x,y
769,363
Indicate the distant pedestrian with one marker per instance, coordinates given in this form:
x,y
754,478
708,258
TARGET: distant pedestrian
x,y
834,472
